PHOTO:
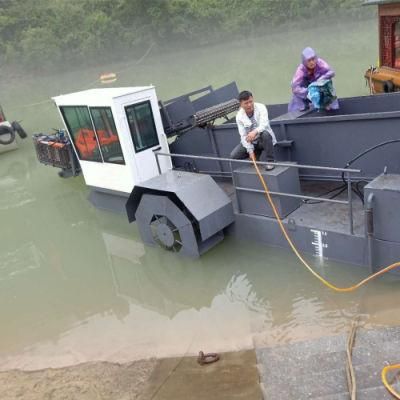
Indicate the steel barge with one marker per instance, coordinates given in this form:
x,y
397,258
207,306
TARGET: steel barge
x,y
166,164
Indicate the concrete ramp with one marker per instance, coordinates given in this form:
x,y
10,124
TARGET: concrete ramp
x,y
315,369
234,376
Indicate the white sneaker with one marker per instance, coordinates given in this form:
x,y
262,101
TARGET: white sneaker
x,y
269,167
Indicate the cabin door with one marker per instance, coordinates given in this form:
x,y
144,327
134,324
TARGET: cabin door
x,y
145,138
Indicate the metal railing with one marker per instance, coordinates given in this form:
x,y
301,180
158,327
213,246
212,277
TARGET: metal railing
x,y
347,173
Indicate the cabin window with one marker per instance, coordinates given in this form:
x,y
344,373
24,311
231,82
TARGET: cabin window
x,y
396,45
80,128
142,127
107,135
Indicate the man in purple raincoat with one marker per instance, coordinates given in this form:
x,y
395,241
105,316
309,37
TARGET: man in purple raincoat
x,y
311,69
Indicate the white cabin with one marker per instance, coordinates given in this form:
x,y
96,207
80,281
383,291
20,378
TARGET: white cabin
x,y
115,132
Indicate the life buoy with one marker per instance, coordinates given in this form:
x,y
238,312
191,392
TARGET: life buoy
x,y
388,87
109,77
18,128
6,130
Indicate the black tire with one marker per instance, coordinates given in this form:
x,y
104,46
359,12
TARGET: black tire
x,y
4,131
388,87
18,128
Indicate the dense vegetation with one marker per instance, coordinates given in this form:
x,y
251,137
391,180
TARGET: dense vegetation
x,y
47,33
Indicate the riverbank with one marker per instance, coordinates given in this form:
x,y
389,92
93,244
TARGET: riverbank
x,y
238,375
234,376
95,380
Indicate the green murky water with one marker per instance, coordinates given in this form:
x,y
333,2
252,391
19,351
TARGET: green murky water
x,y
77,284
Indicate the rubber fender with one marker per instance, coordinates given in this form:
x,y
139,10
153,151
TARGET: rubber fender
x,y
18,128
388,86
6,130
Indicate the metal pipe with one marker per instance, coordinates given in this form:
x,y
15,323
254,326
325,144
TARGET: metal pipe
x,y
234,187
350,202
333,178
298,196
227,173
215,175
335,118
158,163
277,164
369,229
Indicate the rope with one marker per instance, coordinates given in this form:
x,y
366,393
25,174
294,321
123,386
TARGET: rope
x,y
30,105
351,376
369,81
300,257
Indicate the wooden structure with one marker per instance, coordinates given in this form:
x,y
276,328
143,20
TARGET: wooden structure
x,y
386,78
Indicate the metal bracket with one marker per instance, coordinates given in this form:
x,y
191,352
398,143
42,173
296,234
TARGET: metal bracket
x,y
291,225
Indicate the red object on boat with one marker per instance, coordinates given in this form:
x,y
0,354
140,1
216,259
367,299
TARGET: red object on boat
x,y
2,116
86,142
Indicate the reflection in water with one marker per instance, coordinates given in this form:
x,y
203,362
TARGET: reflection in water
x,y
77,284
13,191
85,288
19,261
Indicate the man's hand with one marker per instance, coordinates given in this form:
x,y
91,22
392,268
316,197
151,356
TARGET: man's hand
x,y
252,156
251,136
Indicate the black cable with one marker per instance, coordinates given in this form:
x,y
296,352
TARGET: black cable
x,y
341,189
370,149
357,190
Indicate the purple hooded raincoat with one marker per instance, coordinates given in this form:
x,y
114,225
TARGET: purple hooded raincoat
x,y
302,79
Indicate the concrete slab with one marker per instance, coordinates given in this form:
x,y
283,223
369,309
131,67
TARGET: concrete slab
x,y
315,369
234,376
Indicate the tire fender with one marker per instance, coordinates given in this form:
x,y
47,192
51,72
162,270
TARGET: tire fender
x,y
18,128
6,130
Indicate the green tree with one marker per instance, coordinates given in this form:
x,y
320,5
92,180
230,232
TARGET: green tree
x,y
50,33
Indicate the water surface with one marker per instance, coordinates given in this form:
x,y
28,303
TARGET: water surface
x,y
77,284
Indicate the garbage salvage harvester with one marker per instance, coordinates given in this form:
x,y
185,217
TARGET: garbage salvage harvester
x,y
336,183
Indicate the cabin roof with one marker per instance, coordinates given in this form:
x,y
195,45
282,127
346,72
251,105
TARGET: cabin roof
x,y
90,95
378,2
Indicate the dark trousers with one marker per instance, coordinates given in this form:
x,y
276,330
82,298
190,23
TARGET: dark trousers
x,y
264,143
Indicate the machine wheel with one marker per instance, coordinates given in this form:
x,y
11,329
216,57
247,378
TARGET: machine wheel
x,y
18,128
162,223
388,87
165,233
7,135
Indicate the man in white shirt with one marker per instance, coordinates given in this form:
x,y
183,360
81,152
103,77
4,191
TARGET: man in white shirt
x,y
255,131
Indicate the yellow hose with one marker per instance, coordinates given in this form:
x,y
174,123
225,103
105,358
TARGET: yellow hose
x,y
324,281
386,383
299,256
